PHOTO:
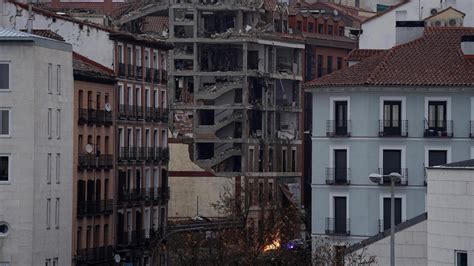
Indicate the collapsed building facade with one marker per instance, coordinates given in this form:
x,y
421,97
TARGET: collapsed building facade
x,y
235,88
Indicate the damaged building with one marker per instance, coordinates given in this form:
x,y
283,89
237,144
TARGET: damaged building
x,y
236,92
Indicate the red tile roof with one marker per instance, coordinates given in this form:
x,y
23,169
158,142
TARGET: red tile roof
x,y
362,54
435,59
155,24
86,66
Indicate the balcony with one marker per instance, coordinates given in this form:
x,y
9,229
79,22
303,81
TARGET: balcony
x,y
149,114
121,70
335,226
165,115
338,128
141,195
92,161
165,155
164,76
165,193
156,76
104,118
95,255
97,117
95,207
393,128
338,176
471,131
148,74
143,237
130,71
386,180
139,112
122,112
438,128
124,154
131,112
139,72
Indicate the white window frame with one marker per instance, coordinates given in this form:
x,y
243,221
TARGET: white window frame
x,y
403,99
50,78
440,99
58,168
437,148
332,148
156,98
48,213
9,180
164,100
58,79
332,100
130,138
156,137
331,203
156,61
130,92
138,92
9,122
9,76
156,218
138,135
156,177
148,96
49,167
138,56
58,123
121,137
402,196
121,93
122,53
50,122
147,137
164,137
148,63
56,213
147,221
456,256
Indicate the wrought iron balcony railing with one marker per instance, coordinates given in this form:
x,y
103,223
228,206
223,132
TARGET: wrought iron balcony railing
x,y
121,70
438,128
393,128
130,71
148,74
338,176
95,255
94,207
338,128
386,180
336,226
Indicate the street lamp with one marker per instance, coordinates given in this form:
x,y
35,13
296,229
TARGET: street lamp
x,y
394,178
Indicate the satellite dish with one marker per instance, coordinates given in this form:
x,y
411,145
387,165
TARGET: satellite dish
x,y
117,258
89,148
108,107
434,11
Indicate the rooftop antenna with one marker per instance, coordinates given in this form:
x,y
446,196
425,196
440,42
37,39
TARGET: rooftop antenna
x,y
29,24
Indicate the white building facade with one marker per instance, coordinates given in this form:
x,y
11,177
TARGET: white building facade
x,y
36,92
379,32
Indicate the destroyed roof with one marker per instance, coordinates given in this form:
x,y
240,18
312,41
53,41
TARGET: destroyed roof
x,y
155,24
362,54
435,59
47,34
153,40
348,11
89,70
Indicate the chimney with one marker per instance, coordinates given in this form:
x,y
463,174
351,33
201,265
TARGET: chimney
x,y
409,31
467,46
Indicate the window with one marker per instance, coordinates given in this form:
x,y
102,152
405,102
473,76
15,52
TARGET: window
x,y
392,112
147,58
48,213
138,56
50,122
260,192
121,95
339,174
437,157
392,161
293,160
284,159
270,192
4,76
260,159
339,63
50,77
147,97
461,258
270,159
340,219
48,168
437,116
4,168
340,119
129,55
47,262
320,28
251,160
58,79
310,27
4,122
298,25
329,59
56,214
56,262
387,214
155,59
58,123
58,167
120,53
320,66
341,31
330,29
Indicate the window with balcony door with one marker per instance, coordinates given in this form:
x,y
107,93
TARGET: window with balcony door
x,y
437,118
392,163
339,223
392,113
387,214
461,258
329,65
340,118
310,27
4,76
339,174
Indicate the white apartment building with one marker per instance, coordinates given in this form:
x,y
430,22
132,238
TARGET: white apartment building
x,y
36,93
